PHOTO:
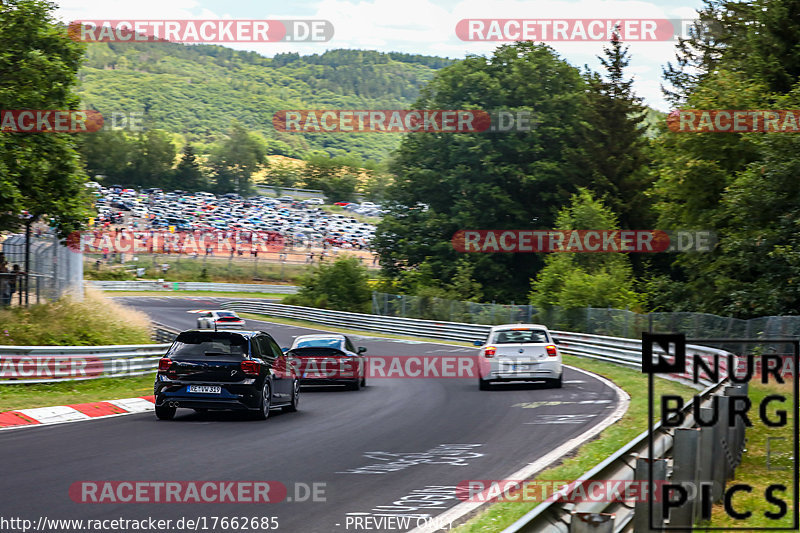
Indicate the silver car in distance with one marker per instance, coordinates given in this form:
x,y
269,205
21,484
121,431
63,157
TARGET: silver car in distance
x,y
519,352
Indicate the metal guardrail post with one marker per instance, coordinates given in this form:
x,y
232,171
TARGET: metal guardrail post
x,y
641,513
720,445
685,471
737,393
705,466
591,523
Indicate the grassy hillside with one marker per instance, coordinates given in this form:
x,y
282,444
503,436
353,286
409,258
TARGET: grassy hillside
x,y
197,91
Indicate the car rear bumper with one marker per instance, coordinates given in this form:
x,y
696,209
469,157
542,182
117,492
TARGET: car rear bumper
x,y
521,376
245,398
524,371
200,403
327,381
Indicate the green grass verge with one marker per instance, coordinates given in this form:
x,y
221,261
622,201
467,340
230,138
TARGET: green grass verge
x,y
754,470
225,294
185,268
93,321
500,515
71,392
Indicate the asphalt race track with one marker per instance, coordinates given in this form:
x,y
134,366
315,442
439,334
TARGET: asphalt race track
x,y
331,440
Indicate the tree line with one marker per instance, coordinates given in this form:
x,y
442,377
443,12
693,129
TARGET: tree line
x,y
151,158
590,164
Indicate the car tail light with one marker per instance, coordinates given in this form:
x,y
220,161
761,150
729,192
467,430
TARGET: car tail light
x,y
251,368
551,350
164,363
489,351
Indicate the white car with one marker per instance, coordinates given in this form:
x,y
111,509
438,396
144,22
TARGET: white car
x,y
519,352
315,201
219,320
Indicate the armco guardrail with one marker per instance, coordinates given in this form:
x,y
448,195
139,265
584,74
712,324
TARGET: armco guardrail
x,y
697,455
627,352
385,324
162,333
189,286
43,364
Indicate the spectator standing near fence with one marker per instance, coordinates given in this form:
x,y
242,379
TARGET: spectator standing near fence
x,y
5,295
14,283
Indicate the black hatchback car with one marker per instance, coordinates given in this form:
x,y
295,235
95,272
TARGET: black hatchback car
x,y
239,370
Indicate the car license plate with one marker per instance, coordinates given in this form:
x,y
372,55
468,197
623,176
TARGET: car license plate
x,y
205,389
522,367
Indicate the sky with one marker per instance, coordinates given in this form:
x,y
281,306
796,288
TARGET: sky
x,y
415,26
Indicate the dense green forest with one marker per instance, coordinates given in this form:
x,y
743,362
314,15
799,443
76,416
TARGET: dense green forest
x,y
593,164
597,158
197,91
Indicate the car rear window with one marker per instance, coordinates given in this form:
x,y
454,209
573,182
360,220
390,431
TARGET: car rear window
x,y
521,336
320,343
191,345
226,314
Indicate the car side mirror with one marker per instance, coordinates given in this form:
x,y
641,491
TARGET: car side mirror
x,y
361,349
556,341
477,343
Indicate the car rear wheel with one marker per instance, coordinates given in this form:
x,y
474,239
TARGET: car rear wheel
x,y
165,412
356,385
292,407
557,383
484,384
264,404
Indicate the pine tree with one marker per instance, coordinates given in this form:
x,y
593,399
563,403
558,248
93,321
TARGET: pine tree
x,y
614,141
188,175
